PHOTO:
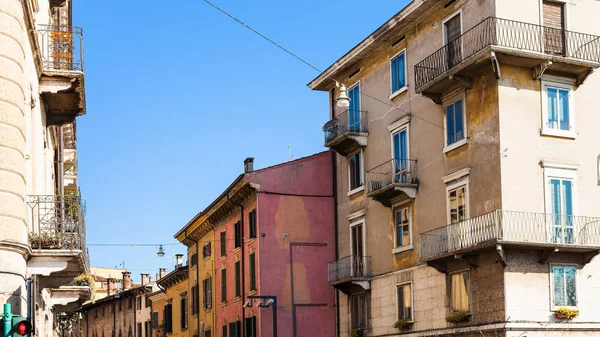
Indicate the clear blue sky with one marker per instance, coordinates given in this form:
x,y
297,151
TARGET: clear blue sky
x,y
179,94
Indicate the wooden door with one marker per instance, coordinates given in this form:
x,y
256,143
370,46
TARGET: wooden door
x,y
554,27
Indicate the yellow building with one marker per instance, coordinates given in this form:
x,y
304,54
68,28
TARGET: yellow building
x,y
198,235
177,298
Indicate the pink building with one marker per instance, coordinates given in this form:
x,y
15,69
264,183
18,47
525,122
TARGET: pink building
x,y
280,248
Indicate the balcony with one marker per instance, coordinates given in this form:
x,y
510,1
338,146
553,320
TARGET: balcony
x,y
393,179
350,274
57,233
62,82
347,132
523,44
546,233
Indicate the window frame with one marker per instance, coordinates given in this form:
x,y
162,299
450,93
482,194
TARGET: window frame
x,y
398,208
224,285
237,234
412,301
223,243
252,221
252,284
453,186
448,18
364,310
469,290
352,191
563,172
359,222
237,285
554,307
547,131
465,139
183,312
393,93
566,8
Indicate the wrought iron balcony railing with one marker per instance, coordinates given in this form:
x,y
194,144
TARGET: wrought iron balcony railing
x,y
349,268
57,222
349,121
400,171
511,227
61,47
517,35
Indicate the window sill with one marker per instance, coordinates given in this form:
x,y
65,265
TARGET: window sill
x,y
398,92
398,250
567,307
236,299
222,258
251,292
251,240
356,190
559,133
222,304
455,145
236,250
208,310
206,258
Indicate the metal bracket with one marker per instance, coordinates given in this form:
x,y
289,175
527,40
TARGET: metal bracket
x,y
436,98
464,80
495,65
539,70
583,76
471,260
500,252
544,254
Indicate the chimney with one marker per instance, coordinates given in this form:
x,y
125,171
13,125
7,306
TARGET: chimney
x,y
145,278
126,280
248,165
161,273
179,258
111,286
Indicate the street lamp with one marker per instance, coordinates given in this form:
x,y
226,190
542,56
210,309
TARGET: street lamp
x,y
265,302
161,251
343,101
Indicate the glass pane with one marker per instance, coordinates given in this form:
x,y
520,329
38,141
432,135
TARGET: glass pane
x,y
453,206
400,299
407,302
559,286
552,108
395,79
563,100
571,287
401,71
398,229
450,125
458,120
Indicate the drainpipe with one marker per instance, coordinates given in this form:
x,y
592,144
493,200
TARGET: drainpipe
x,y
115,319
60,178
242,262
335,225
197,285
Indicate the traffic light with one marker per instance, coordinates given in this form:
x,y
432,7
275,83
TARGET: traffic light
x,y
21,326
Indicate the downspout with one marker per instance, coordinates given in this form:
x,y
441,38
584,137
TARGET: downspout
x,y
114,320
335,225
197,285
60,166
242,262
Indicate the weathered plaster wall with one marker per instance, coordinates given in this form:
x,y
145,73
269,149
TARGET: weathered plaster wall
x,y
173,296
204,270
158,305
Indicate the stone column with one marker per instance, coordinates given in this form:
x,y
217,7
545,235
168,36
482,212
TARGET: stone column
x,y
13,218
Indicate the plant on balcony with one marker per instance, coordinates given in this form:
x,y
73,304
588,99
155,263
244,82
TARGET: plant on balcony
x,y
458,317
402,324
43,241
566,313
357,332
86,280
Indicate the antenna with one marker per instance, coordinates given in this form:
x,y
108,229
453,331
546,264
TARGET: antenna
x,y
289,152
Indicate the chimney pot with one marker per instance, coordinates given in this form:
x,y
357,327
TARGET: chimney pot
x,y
161,273
179,258
248,165
145,278
111,286
126,280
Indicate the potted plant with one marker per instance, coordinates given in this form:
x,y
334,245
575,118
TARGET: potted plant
x,y
566,313
402,324
458,317
43,241
357,332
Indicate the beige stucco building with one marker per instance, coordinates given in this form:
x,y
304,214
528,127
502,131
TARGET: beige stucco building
x,y
467,185
42,227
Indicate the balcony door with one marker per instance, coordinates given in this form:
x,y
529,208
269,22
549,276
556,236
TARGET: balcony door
x,y
561,198
400,153
452,33
356,237
553,13
354,109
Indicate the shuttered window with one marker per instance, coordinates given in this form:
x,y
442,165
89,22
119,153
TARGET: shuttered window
x,y
168,318
235,329
238,234
207,293
453,30
183,311
252,271
223,243
238,272
252,224
554,25
223,285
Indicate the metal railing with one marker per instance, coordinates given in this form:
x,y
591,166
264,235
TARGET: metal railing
x,y
400,171
61,47
510,226
57,222
511,34
349,121
349,268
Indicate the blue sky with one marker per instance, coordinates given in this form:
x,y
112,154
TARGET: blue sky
x,y
177,97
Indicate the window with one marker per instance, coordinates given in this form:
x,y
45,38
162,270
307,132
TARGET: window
x,y
459,291
404,300
560,201
238,272
455,122
148,302
224,331
139,303
206,249
252,224
154,320
147,329
235,329
355,168
457,203
139,330
251,326
358,311
557,109
252,271
398,69
194,258
130,303
554,19
223,285
207,293
183,311
402,169
206,333
564,286
354,113
168,318
238,234
403,230
195,298
452,33
223,236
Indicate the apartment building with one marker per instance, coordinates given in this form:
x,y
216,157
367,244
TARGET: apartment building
x,y
42,236
175,313
265,243
124,312
466,171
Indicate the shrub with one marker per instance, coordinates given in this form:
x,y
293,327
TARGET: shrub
x,y
457,317
357,333
402,324
566,313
